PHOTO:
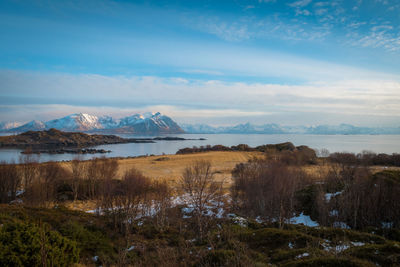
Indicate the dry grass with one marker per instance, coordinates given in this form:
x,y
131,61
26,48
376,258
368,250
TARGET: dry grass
x,y
170,167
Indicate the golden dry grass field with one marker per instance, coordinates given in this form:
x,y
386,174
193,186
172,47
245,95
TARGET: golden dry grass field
x,y
170,167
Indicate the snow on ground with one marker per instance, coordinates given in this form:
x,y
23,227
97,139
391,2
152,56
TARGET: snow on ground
x,y
237,219
342,246
341,225
303,219
387,225
328,196
305,254
334,213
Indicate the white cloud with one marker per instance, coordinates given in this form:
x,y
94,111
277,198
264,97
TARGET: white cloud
x,y
38,95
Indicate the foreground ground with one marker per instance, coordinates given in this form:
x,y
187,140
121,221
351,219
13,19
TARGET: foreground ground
x,y
69,237
283,210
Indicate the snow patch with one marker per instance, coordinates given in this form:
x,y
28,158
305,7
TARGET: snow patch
x,y
303,219
305,254
328,196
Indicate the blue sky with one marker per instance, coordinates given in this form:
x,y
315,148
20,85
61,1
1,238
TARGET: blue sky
x,y
218,62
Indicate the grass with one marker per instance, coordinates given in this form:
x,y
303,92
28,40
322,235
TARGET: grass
x,y
170,167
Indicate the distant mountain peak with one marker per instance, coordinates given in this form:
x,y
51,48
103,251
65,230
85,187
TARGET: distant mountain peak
x,y
140,123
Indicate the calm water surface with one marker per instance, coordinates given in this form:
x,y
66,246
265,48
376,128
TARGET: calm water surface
x,y
334,143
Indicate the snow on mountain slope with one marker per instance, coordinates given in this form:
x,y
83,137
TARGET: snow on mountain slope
x,y
199,128
146,123
150,123
9,125
75,122
108,122
30,126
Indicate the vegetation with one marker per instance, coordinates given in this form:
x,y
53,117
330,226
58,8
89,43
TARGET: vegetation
x,y
139,221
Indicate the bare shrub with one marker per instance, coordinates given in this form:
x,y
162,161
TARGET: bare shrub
x,y
161,203
43,190
79,174
99,169
199,191
370,200
29,169
10,181
124,199
267,189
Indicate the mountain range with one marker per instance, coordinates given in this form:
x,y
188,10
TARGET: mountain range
x,y
274,128
157,123
146,123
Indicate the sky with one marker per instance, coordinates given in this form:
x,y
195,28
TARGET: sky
x,y
295,62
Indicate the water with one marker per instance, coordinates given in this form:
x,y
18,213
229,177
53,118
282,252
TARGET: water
x,y
334,143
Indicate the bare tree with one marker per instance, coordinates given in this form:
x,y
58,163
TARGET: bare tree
x,y
79,174
43,190
161,203
200,190
268,189
29,169
100,169
10,181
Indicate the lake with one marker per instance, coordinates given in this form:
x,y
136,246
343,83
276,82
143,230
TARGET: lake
x,y
334,143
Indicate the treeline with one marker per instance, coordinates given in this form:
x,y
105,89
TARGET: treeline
x,y
345,193
366,158
286,152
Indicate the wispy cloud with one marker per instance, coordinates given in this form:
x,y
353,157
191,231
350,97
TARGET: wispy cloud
x,y
379,36
229,31
300,3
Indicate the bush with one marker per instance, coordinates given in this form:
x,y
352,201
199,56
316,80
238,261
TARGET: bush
x,y
271,238
383,255
328,262
29,245
220,257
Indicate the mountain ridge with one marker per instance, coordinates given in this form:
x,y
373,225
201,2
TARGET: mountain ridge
x,y
157,123
147,123
273,128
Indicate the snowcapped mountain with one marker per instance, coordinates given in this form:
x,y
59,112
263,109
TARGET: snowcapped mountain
x,y
147,123
199,128
30,126
9,125
75,122
273,128
246,128
108,122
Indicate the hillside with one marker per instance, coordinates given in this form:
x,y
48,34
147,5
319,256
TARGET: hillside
x,y
54,138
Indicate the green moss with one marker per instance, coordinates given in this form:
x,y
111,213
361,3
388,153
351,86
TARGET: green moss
x,y
271,238
285,255
25,244
90,241
328,262
336,234
384,255
220,257
389,176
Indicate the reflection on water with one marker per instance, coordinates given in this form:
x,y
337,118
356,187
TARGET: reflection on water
x,y
334,143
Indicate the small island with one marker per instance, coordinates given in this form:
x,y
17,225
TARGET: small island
x,y
58,142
